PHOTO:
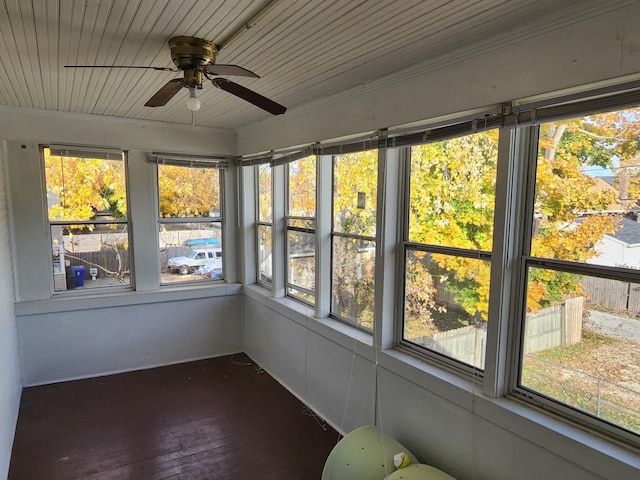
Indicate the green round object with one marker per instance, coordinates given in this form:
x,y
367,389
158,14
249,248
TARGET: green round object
x,y
364,454
418,471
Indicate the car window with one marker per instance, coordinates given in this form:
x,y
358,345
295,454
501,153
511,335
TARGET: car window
x,y
200,256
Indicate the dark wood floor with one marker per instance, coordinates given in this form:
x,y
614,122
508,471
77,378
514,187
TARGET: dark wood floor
x,y
221,418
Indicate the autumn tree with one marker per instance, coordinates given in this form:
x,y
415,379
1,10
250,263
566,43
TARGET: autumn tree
x,y
452,187
188,191
452,198
77,190
354,214
81,187
302,211
302,187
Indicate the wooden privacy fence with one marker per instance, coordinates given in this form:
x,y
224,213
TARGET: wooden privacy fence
x,y
612,294
106,258
467,344
554,326
560,325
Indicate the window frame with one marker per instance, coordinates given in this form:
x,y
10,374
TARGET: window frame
x,y
525,261
455,130
290,287
333,234
180,161
517,146
264,224
97,153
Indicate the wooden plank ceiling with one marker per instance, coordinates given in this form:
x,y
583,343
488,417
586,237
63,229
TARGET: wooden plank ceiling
x,y
302,49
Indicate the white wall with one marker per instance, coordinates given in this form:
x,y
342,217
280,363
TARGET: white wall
x,y
45,126
443,419
10,386
595,50
85,337
66,337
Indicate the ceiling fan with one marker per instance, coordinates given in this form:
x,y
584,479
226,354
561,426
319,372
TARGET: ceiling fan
x,y
195,57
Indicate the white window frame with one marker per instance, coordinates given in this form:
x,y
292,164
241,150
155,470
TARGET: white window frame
x,y
176,160
292,288
98,153
266,283
523,260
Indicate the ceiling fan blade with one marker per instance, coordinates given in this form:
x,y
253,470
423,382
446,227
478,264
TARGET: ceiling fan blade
x,y
249,95
221,69
165,94
162,69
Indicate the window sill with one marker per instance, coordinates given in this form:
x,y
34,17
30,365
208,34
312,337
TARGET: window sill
x,y
91,301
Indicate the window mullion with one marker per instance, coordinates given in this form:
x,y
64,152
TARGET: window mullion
x,y
323,234
248,243
386,241
279,233
506,224
527,148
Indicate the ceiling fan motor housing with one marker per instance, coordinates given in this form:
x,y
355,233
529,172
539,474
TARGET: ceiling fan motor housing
x,y
190,54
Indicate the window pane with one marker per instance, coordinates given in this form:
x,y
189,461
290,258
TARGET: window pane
x,y
264,193
306,223
301,295
186,192
90,256
354,193
264,254
581,348
301,202
301,248
453,191
302,187
446,305
353,280
587,186
85,188
190,252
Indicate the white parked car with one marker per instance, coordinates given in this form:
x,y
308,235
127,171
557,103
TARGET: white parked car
x,y
211,269
196,259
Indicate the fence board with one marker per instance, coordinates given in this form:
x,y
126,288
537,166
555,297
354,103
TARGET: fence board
x,y
611,294
548,328
634,298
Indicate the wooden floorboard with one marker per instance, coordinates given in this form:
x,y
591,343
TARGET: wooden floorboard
x,y
222,418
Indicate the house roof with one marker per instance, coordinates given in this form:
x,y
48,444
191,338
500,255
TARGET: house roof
x,y
629,232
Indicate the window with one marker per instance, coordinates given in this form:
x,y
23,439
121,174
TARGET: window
x,y
300,220
190,222
515,256
264,225
580,337
448,246
355,177
87,211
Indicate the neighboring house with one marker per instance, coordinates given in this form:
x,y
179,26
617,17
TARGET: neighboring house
x,y
622,249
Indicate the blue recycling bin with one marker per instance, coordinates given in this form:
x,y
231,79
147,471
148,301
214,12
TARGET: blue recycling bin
x,y
78,273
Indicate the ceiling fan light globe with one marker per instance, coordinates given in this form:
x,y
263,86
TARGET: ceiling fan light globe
x,y
193,104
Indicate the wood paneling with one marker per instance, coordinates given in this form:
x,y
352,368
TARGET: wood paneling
x,y
303,50
222,418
